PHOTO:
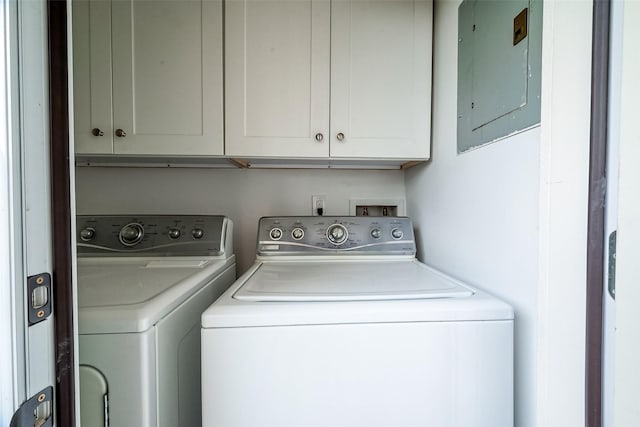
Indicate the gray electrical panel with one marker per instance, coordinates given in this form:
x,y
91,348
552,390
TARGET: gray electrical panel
x,y
499,64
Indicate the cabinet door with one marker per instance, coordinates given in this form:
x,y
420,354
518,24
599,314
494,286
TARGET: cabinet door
x,y
277,77
92,76
381,78
167,77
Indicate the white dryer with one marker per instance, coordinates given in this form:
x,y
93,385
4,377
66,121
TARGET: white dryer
x,y
143,283
337,324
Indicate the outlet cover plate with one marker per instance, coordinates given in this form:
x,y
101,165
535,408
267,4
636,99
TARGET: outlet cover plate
x,y
318,200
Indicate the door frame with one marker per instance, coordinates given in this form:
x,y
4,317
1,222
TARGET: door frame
x,y
596,223
61,158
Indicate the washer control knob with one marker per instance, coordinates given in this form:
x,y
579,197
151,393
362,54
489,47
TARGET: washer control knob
x,y
376,233
396,233
297,233
174,233
337,234
197,233
131,234
87,234
275,234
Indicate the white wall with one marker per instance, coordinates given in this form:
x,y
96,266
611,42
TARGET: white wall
x,y
476,214
564,183
244,195
510,217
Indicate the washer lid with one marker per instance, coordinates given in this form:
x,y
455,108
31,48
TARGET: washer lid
x,y
443,298
347,281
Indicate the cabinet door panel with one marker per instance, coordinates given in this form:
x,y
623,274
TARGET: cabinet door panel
x,y
92,76
277,77
167,65
381,78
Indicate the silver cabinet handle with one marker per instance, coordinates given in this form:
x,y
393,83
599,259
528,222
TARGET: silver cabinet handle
x,y
340,136
120,133
97,132
319,137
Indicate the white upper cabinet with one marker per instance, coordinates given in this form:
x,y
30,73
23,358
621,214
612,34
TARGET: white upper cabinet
x,y
148,77
277,78
381,78
92,77
320,78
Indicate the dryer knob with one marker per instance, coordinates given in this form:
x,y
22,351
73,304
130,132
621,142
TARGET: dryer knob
x,y
87,234
131,234
174,233
197,233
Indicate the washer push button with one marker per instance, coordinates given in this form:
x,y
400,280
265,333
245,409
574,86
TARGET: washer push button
x,y
297,233
275,234
397,233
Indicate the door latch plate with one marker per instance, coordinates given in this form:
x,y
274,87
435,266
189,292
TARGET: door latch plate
x,y
35,412
39,297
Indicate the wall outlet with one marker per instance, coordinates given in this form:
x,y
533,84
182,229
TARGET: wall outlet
x,y
318,205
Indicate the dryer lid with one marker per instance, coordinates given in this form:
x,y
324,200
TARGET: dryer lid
x,y
348,281
126,284
131,295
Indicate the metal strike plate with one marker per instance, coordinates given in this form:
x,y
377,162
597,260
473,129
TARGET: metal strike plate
x,y
35,412
520,26
39,297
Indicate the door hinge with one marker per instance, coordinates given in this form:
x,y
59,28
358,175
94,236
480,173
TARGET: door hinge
x,y
611,271
39,297
35,412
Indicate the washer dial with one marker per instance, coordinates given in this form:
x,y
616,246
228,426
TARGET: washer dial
x,y
376,233
337,234
131,234
174,233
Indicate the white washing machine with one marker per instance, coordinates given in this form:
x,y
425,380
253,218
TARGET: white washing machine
x,y
337,324
143,283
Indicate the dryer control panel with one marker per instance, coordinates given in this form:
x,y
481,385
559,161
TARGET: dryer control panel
x,y
331,235
168,235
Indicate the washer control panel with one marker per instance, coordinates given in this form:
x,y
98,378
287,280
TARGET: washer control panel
x,y
168,235
317,235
